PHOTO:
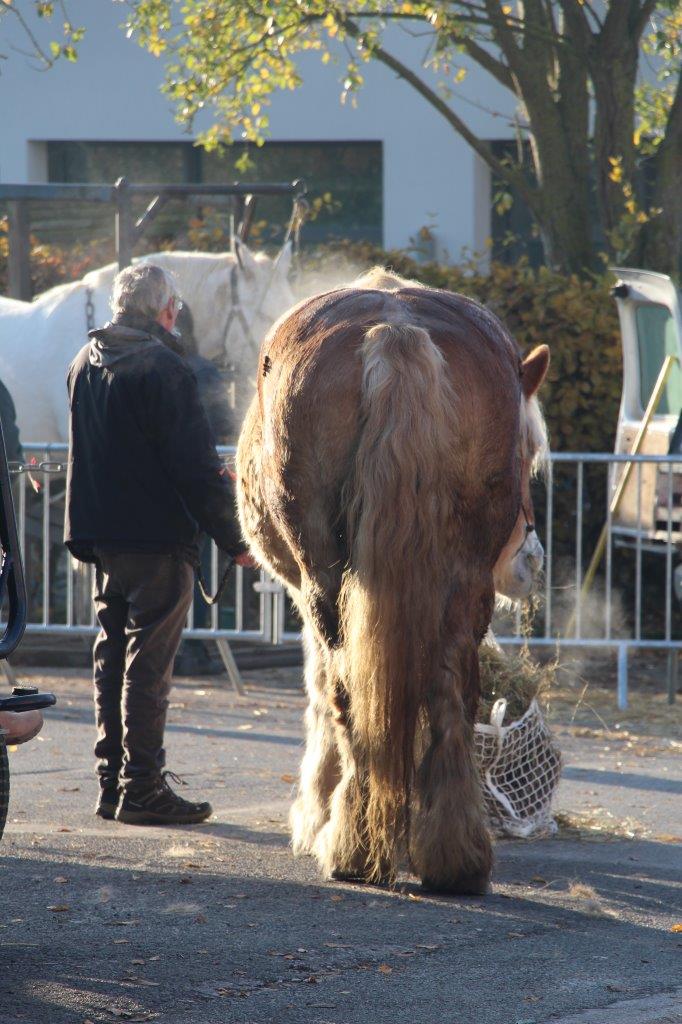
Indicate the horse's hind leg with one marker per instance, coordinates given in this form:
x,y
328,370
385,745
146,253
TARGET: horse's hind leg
x,y
340,846
449,842
320,768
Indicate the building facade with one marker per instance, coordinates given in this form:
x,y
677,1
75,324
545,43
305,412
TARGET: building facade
x,y
390,165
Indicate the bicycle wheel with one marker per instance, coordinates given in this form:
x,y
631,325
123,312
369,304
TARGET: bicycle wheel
x,y
4,784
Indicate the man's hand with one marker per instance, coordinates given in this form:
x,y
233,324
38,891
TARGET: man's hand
x,y
246,561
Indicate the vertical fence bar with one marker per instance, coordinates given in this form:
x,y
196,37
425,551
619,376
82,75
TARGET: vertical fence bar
x,y
239,600
266,601
622,677
46,549
214,585
579,546
549,529
91,588
609,552
669,559
672,654
638,557
69,589
22,515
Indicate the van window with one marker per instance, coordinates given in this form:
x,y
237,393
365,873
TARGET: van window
x,y
657,338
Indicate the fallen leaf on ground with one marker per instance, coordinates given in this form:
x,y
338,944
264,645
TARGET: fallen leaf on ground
x,y
288,778
385,969
676,928
58,908
61,879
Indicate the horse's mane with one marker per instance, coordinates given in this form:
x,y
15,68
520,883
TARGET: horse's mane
x,y
383,280
534,439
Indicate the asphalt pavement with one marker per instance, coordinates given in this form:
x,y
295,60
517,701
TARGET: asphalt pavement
x,y
220,923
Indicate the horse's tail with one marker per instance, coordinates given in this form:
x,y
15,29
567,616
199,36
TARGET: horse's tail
x,y
392,599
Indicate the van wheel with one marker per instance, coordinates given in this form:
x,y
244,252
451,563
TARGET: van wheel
x,y
4,784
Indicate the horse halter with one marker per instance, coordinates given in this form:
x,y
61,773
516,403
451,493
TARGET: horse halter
x,y
530,528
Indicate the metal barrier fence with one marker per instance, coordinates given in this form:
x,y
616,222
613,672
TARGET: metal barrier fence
x,y
630,607
646,524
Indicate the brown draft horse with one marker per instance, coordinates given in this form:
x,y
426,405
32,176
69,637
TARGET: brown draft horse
x,y
383,476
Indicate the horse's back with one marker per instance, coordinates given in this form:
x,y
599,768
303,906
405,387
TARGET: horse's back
x,y
311,369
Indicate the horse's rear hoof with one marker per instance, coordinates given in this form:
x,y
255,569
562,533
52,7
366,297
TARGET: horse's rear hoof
x,y
463,885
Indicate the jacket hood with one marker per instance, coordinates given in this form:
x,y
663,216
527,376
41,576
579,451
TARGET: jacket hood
x,y
125,337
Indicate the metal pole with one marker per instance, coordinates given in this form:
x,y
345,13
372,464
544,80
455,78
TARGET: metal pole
x,y
125,229
18,257
622,677
673,674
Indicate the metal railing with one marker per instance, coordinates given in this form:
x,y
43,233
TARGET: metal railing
x,y
609,615
581,610
59,589
629,607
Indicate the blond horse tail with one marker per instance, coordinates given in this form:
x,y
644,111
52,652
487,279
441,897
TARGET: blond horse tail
x,y
393,595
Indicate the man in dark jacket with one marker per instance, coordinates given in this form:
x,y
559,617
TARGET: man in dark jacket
x,y
143,481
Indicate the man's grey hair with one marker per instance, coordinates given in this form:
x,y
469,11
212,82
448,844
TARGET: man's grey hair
x,y
143,289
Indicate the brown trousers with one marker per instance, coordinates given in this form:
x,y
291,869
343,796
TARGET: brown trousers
x,y
141,601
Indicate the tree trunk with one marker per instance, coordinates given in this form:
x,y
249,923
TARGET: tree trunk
x,y
660,245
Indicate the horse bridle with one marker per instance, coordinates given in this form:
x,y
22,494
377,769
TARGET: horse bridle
x,y
530,528
237,313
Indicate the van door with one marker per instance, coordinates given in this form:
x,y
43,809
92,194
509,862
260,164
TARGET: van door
x,y
651,328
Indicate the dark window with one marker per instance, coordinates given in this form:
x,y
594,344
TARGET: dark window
x,y
350,173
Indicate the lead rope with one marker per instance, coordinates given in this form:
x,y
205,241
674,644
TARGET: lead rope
x,y
221,586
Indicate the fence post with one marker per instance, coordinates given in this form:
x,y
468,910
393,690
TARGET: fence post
x,y
19,266
622,677
673,674
125,229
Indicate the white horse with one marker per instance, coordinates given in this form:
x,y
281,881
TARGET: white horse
x,y
234,298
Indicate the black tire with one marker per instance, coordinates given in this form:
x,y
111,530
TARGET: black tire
x,y
4,784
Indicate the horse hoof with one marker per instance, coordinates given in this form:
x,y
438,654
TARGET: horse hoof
x,y
339,875
463,885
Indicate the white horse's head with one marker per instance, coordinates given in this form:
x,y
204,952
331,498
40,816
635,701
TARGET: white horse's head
x,y
522,559
234,298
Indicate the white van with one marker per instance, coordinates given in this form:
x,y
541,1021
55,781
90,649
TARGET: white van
x,y
651,328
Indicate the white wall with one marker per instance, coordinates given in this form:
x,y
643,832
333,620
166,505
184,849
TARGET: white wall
x,y
112,93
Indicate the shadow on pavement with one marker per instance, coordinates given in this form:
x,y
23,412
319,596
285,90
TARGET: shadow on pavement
x,y
218,936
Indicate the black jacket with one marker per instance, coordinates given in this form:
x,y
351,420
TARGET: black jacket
x,y
143,471
10,430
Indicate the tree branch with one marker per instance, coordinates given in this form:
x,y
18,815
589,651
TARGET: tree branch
x,y
512,175
496,68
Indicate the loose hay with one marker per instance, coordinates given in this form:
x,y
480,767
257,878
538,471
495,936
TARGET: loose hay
x,y
516,678
519,761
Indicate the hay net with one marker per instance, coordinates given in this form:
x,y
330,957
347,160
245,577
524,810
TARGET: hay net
x,y
520,765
